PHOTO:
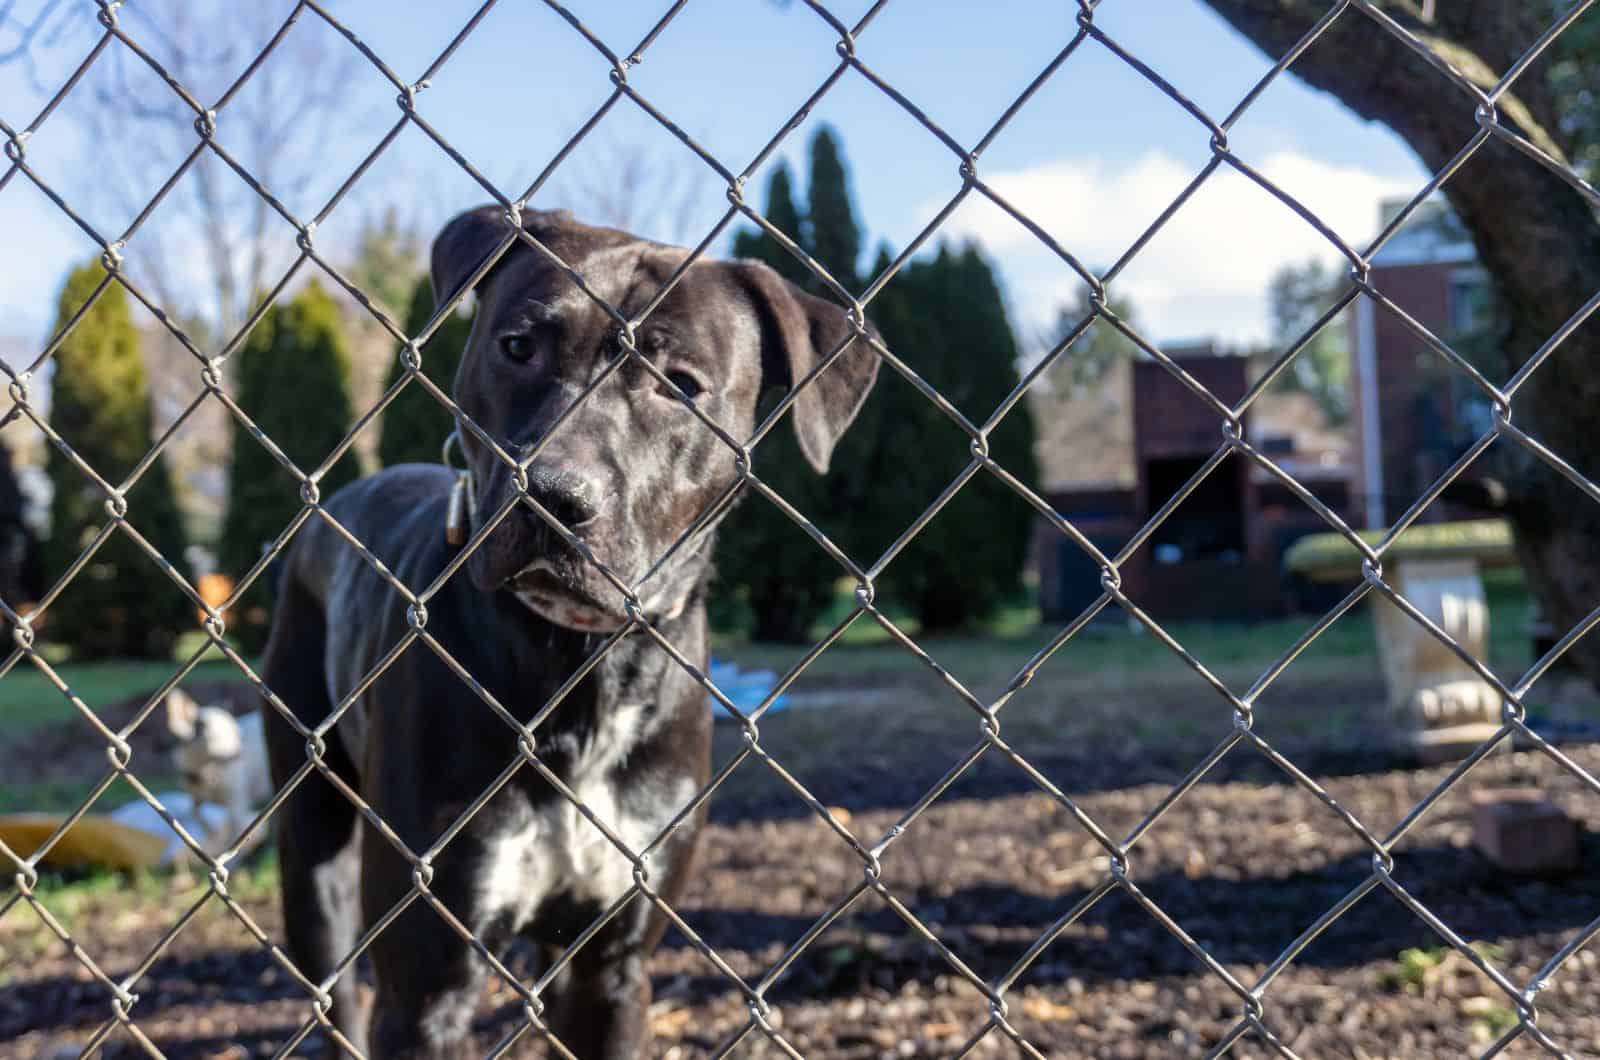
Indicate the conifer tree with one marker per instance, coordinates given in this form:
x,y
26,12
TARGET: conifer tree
x,y
765,559
293,377
970,557
415,425
121,603
946,317
834,234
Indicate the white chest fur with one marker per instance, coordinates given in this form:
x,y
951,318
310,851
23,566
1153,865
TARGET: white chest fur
x,y
555,850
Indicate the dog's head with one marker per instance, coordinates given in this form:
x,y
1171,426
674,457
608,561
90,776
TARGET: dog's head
x,y
632,468
210,744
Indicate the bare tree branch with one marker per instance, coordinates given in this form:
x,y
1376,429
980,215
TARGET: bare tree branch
x,y
276,126
625,186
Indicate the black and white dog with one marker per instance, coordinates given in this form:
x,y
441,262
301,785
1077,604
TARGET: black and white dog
x,y
628,473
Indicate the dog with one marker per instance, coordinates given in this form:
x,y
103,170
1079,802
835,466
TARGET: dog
x,y
626,473
222,760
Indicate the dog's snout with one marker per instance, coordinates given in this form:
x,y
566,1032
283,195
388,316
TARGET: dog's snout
x,y
571,497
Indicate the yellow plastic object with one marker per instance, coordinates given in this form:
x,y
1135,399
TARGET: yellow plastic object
x,y
1329,557
92,840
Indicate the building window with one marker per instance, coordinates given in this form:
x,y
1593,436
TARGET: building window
x,y
1473,412
1209,524
1469,301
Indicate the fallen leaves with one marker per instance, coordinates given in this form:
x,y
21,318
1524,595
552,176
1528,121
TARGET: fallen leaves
x,y
1037,1007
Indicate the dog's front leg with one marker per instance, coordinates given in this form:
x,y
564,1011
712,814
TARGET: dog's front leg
x,y
599,1005
428,978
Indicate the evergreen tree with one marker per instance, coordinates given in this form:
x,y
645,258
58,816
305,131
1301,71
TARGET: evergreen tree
x,y
386,257
783,215
415,425
970,557
945,316
293,377
835,236
20,576
120,604
785,597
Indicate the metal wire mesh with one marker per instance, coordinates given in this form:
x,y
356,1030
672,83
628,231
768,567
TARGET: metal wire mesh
x,y
1254,998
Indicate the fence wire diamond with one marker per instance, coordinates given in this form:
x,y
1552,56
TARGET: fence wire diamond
x,y
1254,998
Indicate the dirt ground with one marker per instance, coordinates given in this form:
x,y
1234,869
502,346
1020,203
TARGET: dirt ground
x,y
1244,863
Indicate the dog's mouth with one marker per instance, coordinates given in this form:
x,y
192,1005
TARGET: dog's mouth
x,y
563,601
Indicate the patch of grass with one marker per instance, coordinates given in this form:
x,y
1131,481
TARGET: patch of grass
x,y
255,879
1413,967
29,699
1491,1020
1417,967
1004,643
999,652
67,894
85,897
64,795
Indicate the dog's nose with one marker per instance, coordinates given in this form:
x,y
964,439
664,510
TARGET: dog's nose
x,y
571,497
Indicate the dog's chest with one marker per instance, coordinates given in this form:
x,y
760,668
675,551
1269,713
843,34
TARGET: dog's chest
x,y
555,850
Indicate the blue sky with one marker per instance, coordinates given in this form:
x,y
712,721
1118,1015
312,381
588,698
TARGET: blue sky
x,y
1093,157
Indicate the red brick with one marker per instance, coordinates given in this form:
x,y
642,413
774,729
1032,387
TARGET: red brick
x,y
1522,832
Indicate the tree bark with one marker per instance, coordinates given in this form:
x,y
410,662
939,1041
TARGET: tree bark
x,y
1535,234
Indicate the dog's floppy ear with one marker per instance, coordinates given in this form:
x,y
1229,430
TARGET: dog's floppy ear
x,y
182,714
799,330
461,246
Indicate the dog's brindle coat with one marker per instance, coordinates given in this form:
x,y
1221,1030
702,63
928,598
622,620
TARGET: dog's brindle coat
x,y
628,473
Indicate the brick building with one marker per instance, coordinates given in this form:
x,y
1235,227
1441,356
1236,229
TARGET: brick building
x,y
1413,413
1217,555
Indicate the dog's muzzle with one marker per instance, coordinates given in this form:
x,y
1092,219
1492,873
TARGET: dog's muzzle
x,y
537,584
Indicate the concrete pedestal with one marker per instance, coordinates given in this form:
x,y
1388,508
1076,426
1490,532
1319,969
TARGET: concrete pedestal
x,y
1442,709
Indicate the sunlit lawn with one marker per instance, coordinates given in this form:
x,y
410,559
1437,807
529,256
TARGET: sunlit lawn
x,y
1116,648
1110,685
1001,647
1111,661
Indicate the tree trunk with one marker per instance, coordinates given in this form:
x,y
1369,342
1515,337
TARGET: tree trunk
x,y
1535,234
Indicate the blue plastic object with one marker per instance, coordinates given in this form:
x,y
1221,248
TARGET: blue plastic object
x,y
745,688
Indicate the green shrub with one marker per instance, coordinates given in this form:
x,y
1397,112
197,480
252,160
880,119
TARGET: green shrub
x,y
415,425
293,379
121,603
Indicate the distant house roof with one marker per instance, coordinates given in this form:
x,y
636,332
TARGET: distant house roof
x,y
1432,235
1191,348
1280,413
1083,435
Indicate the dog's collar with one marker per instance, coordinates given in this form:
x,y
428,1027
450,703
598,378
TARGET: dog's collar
x,y
458,513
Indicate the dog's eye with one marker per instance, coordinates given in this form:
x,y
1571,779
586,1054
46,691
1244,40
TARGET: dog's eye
x,y
687,383
517,347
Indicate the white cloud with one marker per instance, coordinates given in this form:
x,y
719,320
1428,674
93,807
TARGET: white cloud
x,y
1206,272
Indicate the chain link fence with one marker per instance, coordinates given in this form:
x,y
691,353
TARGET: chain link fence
x,y
1255,999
